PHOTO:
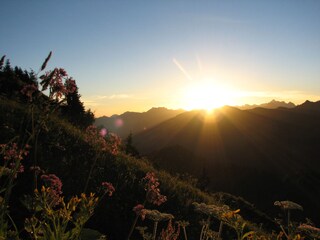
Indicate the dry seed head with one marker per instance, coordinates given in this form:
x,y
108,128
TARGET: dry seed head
x,y
46,61
211,209
288,205
2,61
157,216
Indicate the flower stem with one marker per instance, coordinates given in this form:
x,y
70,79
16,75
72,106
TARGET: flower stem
x,y
90,172
185,233
132,227
220,229
134,223
155,226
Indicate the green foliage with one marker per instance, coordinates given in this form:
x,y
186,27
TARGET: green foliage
x,y
63,222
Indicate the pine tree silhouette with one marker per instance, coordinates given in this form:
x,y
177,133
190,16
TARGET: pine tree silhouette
x,y
75,112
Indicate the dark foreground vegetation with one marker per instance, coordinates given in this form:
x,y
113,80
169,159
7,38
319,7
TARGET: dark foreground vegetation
x,y
62,178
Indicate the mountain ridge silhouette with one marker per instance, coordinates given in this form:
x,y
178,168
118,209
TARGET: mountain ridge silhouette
x,y
247,152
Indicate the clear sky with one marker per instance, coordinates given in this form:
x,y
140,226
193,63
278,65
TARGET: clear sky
x,y
133,55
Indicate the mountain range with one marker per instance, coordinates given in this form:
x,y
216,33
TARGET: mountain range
x,y
260,154
266,153
134,122
270,105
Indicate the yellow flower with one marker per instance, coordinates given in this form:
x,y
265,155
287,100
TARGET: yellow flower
x,y
231,214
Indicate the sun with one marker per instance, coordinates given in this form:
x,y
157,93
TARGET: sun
x,y
207,95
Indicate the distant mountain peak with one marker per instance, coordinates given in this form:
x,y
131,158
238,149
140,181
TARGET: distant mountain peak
x,y
135,122
307,102
309,106
273,104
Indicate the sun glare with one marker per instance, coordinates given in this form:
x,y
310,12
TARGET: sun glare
x,y
207,95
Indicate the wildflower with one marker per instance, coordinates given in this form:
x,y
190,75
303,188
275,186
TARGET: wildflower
x,y
55,187
11,153
37,170
108,188
62,72
95,139
140,211
54,80
20,168
114,143
231,214
170,233
57,89
152,188
28,90
70,85
101,140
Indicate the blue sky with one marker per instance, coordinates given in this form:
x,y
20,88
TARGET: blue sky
x,y
134,55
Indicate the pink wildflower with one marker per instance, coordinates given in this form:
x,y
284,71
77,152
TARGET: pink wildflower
x,y
108,188
28,90
15,170
20,168
11,153
54,80
140,211
12,157
63,72
57,89
53,182
152,188
71,85
109,142
95,139
114,143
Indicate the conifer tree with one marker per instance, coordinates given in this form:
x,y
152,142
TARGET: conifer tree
x,y
75,111
129,148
